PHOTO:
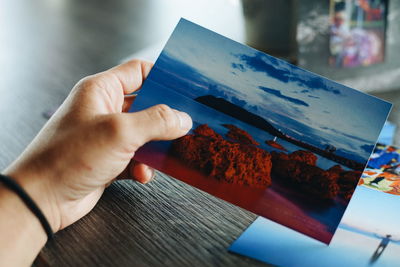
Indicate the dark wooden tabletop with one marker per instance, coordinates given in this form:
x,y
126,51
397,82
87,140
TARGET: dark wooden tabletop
x,y
46,47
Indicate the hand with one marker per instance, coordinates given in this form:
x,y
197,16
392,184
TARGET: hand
x,y
89,141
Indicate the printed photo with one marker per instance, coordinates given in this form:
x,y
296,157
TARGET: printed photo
x,y
357,32
270,137
368,235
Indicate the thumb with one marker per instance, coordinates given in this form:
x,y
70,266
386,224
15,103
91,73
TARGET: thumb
x,y
159,122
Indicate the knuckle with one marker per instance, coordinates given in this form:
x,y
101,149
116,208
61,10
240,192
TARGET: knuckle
x,y
134,62
166,116
92,82
87,82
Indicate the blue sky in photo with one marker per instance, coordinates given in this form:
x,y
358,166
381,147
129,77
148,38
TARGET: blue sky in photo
x,y
369,215
196,62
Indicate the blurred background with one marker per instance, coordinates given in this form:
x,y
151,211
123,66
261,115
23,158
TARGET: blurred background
x,y
48,45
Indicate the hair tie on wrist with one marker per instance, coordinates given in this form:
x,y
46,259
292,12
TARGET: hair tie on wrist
x,y
14,186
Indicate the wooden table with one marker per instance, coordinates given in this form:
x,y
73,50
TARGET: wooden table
x,y
46,47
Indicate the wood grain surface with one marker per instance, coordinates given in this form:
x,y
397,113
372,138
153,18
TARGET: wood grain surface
x,y
164,223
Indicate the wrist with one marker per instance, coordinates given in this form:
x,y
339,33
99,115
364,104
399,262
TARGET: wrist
x,y
21,233
39,190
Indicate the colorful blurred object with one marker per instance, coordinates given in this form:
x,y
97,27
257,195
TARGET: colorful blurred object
x,y
383,170
357,32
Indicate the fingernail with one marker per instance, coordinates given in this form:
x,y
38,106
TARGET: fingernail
x,y
185,120
151,173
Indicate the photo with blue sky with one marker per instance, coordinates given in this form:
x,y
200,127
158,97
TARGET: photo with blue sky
x,y
259,115
360,240
300,103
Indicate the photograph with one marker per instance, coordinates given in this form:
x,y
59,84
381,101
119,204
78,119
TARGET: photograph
x,y
357,32
368,235
267,136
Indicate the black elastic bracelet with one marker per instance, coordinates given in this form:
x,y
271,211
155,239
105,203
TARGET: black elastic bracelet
x,y
14,186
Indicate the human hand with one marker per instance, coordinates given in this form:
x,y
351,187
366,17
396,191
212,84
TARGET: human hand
x,y
90,140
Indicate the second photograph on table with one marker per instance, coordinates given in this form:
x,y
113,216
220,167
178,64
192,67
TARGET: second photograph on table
x,y
268,136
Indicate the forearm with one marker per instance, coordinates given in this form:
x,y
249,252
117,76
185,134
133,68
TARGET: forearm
x,y
22,235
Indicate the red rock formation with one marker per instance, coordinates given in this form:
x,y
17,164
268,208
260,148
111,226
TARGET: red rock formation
x,y
335,172
347,182
336,169
298,170
274,144
224,160
239,135
307,178
243,163
205,130
304,156
276,156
